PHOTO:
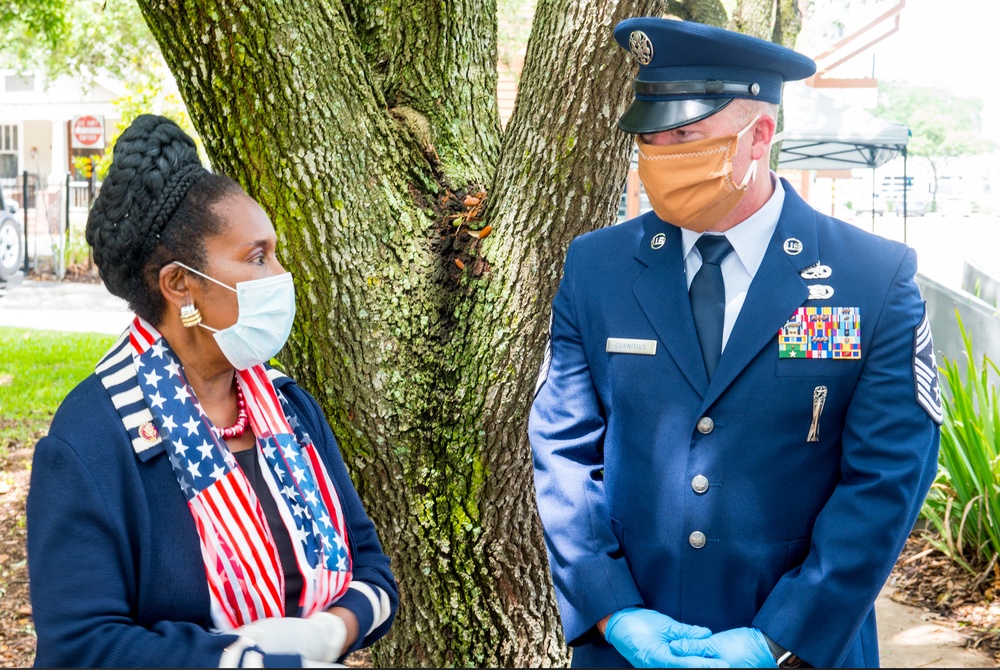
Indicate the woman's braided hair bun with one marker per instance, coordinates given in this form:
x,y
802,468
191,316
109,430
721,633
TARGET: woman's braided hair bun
x,y
156,206
155,163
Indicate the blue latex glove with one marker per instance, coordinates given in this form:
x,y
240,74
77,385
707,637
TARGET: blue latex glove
x,y
739,648
643,637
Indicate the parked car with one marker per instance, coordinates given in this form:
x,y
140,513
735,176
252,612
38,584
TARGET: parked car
x,y
11,245
914,206
866,205
918,207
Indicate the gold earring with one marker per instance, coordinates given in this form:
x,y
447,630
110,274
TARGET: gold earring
x,y
190,316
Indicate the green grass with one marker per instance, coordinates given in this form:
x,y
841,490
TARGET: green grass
x,y
37,369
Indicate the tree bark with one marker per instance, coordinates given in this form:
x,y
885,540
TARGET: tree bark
x,y
703,11
436,65
753,17
369,134
787,22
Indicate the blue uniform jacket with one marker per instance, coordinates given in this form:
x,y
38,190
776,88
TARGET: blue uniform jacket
x,y
799,536
117,576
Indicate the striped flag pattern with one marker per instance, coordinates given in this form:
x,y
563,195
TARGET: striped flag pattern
x,y
315,507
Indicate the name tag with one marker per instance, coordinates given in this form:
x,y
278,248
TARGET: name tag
x,y
621,345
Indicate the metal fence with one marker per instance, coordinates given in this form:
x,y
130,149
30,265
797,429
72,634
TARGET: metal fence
x,y
979,318
53,213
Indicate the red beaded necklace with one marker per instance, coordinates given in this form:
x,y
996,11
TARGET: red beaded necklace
x,y
238,428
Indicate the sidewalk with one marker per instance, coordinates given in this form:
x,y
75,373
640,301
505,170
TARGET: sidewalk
x,y
64,306
908,637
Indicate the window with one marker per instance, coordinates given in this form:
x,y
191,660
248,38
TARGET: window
x,y
14,83
8,150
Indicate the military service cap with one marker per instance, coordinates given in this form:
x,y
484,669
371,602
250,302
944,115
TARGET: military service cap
x,y
689,71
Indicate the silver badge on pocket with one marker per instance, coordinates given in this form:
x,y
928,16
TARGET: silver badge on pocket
x,y
819,402
820,292
816,271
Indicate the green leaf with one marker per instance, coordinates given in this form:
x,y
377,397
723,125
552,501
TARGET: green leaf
x,y
963,505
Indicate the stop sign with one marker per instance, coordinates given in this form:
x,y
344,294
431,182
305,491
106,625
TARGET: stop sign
x,y
88,132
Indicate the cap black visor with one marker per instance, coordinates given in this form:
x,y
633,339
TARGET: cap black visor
x,y
648,116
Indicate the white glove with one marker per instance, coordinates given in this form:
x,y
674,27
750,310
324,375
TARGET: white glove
x,y
320,637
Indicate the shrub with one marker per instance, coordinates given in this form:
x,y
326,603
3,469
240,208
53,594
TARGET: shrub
x,y
963,506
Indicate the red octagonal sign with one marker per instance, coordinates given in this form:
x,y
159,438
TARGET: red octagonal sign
x,y
88,132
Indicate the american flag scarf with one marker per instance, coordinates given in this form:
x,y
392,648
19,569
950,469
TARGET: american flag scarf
x,y
244,572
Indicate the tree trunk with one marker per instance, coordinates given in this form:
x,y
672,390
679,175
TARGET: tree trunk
x,y
361,131
703,11
370,135
934,183
753,17
787,22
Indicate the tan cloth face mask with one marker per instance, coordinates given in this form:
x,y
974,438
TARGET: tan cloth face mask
x,y
691,184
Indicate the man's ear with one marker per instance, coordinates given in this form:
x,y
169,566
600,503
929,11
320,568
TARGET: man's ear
x,y
763,135
174,285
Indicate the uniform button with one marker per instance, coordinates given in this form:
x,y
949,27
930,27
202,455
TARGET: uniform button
x,y
705,425
699,484
697,539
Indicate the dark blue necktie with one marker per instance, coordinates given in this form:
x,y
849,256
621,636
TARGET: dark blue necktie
x,y
708,298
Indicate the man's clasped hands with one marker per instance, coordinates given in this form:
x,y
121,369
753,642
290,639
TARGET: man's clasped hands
x,y
649,639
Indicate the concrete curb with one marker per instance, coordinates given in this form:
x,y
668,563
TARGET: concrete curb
x,y
63,306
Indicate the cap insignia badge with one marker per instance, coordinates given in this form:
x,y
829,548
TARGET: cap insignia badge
x,y
641,47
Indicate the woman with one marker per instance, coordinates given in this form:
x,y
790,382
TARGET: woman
x,y
189,506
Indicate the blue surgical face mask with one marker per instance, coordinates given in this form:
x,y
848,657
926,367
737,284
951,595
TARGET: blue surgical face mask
x,y
266,312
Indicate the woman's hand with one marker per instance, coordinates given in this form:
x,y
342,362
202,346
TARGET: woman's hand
x,y
320,637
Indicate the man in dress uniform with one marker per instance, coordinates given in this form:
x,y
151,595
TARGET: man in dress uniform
x,y
739,414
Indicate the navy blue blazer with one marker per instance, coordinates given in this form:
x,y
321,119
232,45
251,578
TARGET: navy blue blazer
x,y
639,459
117,576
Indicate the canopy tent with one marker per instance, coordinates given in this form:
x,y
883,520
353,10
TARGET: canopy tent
x,y
824,134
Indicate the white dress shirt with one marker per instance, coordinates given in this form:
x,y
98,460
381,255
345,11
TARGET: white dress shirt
x,y
749,239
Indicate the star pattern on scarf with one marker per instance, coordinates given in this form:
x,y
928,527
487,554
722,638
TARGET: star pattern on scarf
x,y
193,452
199,460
